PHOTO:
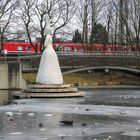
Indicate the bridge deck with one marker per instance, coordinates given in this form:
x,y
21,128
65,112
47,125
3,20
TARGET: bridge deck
x,y
87,61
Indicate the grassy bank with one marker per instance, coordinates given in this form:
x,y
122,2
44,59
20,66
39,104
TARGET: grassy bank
x,y
92,79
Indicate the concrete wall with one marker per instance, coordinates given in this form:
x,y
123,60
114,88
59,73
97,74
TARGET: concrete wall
x,y
11,76
4,84
4,97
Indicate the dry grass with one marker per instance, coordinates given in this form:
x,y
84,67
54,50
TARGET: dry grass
x,y
29,77
90,79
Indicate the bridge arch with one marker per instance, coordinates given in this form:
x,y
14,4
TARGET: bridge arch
x,y
127,69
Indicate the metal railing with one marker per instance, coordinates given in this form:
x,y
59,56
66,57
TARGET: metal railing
x,y
75,60
86,54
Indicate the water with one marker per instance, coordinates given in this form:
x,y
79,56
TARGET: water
x,y
95,117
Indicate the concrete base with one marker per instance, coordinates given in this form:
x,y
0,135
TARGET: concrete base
x,y
57,90
11,76
41,90
49,86
55,95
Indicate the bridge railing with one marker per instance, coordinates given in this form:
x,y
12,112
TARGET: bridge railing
x,y
73,60
91,53
96,53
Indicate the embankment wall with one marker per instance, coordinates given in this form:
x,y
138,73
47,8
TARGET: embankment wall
x,y
11,76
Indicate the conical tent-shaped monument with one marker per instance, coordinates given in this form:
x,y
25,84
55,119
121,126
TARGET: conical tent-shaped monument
x,y
49,69
49,77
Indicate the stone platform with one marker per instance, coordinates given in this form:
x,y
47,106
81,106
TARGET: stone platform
x,y
54,90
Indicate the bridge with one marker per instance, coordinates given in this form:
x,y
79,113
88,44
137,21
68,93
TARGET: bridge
x,y
70,63
132,70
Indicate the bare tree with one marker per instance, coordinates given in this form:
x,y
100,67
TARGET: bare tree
x,y
128,21
135,21
96,7
66,11
25,12
119,8
88,14
111,21
42,8
85,22
60,13
6,11
82,18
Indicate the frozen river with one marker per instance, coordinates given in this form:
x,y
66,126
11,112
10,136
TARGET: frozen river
x,y
103,114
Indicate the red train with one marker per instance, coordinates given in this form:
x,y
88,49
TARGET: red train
x,y
26,47
18,47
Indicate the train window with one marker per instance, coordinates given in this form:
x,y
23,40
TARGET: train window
x,y
81,50
66,49
109,49
20,48
28,48
75,50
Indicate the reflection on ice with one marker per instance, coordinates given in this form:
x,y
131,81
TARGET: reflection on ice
x,y
42,129
9,113
48,115
16,133
31,114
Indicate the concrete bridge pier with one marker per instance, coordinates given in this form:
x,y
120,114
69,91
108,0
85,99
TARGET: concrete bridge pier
x,y
11,76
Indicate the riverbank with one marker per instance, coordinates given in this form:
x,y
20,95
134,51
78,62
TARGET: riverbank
x,y
108,87
94,79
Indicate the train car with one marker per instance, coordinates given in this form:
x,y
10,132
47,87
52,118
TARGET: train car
x,y
13,47
68,47
77,47
26,47
61,47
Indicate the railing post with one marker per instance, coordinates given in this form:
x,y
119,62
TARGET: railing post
x,y
89,60
31,61
139,60
72,60
5,57
18,58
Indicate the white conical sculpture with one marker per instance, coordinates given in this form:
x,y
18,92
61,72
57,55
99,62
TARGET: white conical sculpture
x,y
49,70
